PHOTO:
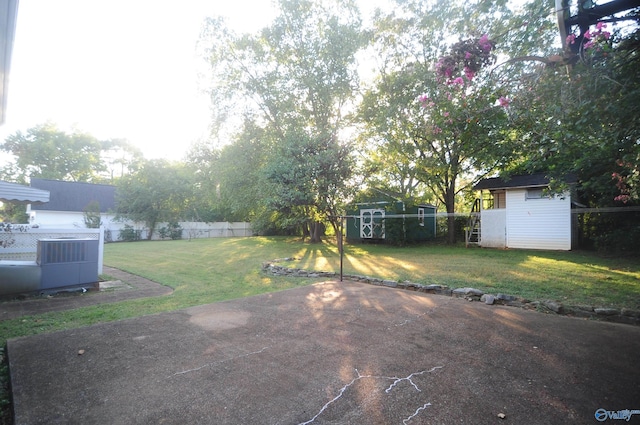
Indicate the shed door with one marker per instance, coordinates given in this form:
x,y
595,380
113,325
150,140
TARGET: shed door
x,y
372,224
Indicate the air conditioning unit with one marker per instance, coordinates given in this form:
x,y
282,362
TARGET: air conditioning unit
x,y
67,262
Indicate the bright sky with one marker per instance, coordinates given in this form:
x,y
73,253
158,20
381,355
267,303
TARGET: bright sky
x,y
119,68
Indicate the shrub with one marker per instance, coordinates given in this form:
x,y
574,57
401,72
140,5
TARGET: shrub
x,y
129,234
173,230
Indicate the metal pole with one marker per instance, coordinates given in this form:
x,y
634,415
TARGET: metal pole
x,y
341,247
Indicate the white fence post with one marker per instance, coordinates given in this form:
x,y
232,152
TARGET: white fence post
x,y
101,250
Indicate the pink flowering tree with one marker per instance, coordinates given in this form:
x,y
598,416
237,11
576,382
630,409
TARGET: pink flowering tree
x,y
463,122
596,42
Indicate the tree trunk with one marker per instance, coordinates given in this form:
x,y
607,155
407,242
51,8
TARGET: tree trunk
x,y
450,203
337,227
305,231
151,225
316,232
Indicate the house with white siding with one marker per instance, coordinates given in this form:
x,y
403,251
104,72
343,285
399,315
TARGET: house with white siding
x,y
519,212
69,201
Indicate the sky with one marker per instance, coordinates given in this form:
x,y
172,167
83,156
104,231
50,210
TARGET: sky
x,y
120,69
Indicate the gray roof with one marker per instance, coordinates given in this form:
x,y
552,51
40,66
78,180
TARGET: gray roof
x,y
74,196
521,181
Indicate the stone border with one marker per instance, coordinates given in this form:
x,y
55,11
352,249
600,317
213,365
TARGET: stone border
x,y
624,315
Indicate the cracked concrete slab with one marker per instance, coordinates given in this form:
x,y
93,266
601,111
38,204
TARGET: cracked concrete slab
x,y
338,353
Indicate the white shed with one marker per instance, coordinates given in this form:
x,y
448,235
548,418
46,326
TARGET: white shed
x,y
519,213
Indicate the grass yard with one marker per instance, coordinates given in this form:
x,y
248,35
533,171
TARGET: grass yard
x,y
209,270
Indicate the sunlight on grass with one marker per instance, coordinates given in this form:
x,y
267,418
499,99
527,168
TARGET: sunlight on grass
x,y
210,270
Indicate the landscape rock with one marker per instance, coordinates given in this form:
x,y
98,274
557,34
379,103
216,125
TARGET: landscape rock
x,y
630,313
505,297
625,315
554,306
488,299
606,311
467,291
390,283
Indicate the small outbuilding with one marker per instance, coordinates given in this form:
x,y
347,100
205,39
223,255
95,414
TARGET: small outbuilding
x,y
391,222
519,212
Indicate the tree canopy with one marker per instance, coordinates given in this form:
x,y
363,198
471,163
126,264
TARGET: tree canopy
x,y
296,77
461,90
158,192
45,151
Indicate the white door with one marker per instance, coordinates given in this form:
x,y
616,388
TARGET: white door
x,y
372,224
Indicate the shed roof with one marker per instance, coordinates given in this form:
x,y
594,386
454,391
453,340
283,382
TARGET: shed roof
x,y
519,181
13,192
75,196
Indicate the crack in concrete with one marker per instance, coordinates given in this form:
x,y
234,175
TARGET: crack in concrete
x,y
216,363
407,321
418,410
395,379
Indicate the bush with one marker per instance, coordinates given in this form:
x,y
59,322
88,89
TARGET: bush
x,y
621,240
129,234
173,230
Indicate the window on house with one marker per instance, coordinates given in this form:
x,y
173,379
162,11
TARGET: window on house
x,y
421,216
536,193
499,199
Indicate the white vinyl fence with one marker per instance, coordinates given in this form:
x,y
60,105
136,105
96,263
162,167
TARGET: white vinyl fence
x,y
189,230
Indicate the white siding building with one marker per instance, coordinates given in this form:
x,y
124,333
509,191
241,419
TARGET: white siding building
x,y
69,200
518,213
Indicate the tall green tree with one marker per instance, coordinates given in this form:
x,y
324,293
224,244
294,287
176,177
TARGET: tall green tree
x,y
298,76
119,158
158,192
44,151
583,119
438,111
229,180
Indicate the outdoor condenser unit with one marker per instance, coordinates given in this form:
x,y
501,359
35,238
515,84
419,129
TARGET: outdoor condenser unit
x,y
67,262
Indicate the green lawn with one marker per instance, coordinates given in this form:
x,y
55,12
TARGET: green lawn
x,y
209,270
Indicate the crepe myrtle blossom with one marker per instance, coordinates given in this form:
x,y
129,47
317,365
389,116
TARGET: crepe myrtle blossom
x,y
592,36
625,183
425,101
504,101
466,58
484,43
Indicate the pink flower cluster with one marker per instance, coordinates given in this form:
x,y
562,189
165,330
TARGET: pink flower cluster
x,y
469,55
623,183
484,43
504,102
425,101
592,37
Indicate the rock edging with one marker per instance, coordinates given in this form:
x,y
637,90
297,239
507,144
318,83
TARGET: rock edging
x,y
623,315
